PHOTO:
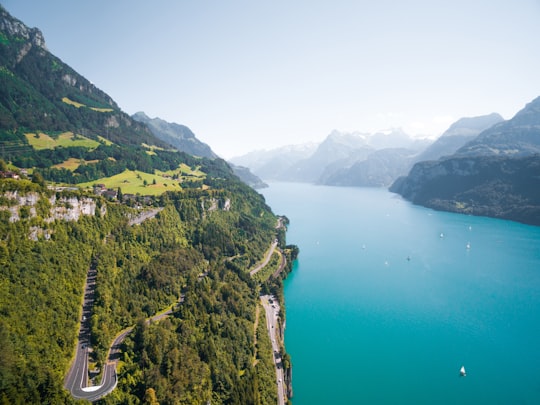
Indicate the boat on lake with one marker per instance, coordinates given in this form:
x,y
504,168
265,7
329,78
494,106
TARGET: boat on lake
x,y
462,371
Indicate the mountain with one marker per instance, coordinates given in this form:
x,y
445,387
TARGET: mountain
x,y
385,156
338,148
91,198
396,152
179,136
459,133
40,92
330,161
496,174
45,104
247,176
519,136
379,169
183,139
274,164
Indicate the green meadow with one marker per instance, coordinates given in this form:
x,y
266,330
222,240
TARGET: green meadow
x,y
137,182
73,163
79,105
65,139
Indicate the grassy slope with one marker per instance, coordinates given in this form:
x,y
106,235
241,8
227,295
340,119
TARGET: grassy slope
x,y
66,139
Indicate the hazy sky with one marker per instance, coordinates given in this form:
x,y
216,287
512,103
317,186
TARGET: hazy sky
x,y
247,75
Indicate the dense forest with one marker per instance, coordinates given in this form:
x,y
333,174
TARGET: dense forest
x,y
192,255
205,351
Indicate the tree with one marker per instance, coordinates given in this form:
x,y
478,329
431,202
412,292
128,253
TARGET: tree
x,y
38,179
150,397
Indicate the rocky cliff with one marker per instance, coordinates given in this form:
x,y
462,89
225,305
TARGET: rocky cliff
x,y
62,208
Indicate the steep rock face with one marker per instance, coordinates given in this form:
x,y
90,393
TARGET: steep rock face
x,y
62,208
213,204
71,209
16,28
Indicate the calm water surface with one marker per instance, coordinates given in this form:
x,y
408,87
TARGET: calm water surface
x,y
387,301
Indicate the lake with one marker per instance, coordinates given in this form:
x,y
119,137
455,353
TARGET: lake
x,y
388,300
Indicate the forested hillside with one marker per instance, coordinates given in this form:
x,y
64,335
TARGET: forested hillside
x,y
204,352
85,187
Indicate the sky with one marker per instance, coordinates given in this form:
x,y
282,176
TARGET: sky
x,y
251,75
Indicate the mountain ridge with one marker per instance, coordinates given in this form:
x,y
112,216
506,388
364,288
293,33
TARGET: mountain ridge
x,y
41,92
518,136
182,138
42,97
457,135
322,163
177,135
495,174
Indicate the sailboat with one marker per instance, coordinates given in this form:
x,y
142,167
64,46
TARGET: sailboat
x,y
462,371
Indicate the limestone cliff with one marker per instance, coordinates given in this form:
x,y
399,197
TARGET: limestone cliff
x,y
62,208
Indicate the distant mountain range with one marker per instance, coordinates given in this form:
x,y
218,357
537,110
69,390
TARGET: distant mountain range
x,y
481,165
495,174
274,164
356,158
50,117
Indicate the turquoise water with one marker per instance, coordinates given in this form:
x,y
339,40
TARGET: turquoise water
x,y
383,310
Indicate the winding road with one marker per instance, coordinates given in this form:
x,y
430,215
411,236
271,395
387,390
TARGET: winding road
x,y
76,380
266,259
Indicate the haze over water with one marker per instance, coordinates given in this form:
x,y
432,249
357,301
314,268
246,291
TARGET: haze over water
x,y
383,310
